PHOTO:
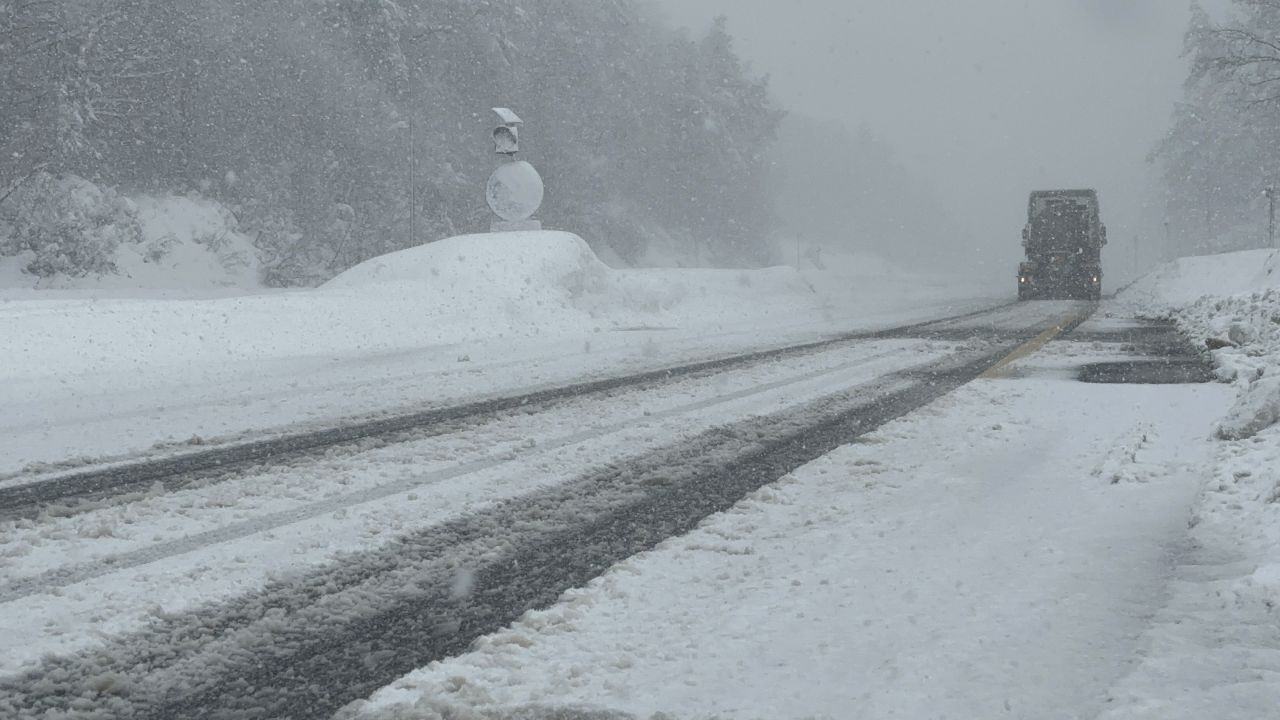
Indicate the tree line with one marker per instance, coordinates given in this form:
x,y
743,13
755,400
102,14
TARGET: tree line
x,y
1224,149
322,123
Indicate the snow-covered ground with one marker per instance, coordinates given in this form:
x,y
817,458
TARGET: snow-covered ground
x,y
1214,649
95,373
67,583
1062,550
1008,571
1027,547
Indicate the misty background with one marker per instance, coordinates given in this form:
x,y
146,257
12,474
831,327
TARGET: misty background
x,y
669,132
977,103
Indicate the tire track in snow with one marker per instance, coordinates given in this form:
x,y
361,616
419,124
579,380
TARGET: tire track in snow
x,y
80,490
64,576
307,646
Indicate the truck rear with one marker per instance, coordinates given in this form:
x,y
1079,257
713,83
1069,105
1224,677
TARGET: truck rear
x,y
1063,240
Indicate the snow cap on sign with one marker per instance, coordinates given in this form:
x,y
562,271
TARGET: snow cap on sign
x,y
508,117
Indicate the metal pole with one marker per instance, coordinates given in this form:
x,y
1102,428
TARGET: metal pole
x,y
413,167
1271,213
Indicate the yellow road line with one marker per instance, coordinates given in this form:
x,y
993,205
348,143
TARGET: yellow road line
x,y
1035,343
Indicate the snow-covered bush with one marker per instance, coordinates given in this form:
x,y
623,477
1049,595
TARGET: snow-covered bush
x,y
66,225
189,241
66,232
262,200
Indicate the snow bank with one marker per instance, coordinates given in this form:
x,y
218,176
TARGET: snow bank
x,y
1229,303
1257,408
464,289
1213,650
103,371
1244,332
1186,280
524,283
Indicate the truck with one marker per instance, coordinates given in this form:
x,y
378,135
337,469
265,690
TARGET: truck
x,y
1063,241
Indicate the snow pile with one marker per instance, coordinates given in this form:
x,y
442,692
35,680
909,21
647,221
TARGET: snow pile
x,y
1257,408
469,289
1230,304
1214,650
1244,332
546,282
66,233
1186,280
117,371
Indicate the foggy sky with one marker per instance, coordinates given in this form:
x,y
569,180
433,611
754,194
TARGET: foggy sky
x,y
984,99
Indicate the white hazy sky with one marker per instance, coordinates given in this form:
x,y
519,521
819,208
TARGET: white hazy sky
x,y
984,99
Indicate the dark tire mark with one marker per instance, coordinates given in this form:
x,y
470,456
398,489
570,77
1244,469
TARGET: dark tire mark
x,y
80,490
307,646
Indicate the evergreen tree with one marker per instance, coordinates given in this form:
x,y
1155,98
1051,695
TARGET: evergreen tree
x,y
326,124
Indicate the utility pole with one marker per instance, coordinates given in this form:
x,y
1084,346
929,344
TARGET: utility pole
x,y
413,193
1271,215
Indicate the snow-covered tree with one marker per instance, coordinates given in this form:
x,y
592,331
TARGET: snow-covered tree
x,y
1224,148
339,117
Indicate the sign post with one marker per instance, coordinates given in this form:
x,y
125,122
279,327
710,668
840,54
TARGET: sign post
x,y
515,189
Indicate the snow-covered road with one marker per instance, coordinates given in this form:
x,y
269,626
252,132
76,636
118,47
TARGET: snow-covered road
x,y
999,554
132,579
